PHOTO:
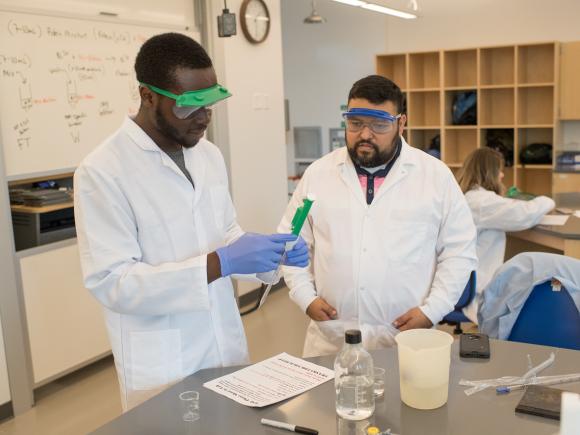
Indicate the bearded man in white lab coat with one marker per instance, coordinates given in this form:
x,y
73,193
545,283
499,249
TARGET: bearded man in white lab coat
x,y
157,231
391,238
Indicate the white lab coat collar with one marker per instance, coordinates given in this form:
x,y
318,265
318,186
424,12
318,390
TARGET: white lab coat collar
x,y
138,135
407,159
193,156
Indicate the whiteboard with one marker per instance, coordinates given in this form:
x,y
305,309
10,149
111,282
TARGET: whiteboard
x,y
66,84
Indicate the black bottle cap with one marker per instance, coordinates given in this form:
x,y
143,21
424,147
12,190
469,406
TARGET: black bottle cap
x,y
352,336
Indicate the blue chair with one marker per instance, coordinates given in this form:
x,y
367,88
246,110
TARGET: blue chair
x,y
456,316
548,318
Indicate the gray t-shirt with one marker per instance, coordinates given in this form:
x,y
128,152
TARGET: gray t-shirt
x,y
179,159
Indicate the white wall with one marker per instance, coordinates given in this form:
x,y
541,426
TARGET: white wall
x,y
322,61
253,139
455,24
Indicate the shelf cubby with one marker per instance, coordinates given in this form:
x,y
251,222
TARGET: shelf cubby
x,y
449,100
497,66
459,143
460,68
536,180
536,63
422,138
496,106
536,105
528,136
424,110
424,70
507,135
393,67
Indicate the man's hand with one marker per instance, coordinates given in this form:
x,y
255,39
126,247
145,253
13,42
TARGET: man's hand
x,y
321,310
412,319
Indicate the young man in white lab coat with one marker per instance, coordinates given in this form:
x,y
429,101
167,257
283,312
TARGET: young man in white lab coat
x,y
391,238
157,230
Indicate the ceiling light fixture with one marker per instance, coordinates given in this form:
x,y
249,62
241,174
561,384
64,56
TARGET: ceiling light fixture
x,y
378,8
314,18
351,2
388,11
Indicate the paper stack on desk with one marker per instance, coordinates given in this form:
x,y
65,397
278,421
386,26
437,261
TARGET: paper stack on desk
x,y
554,219
271,381
39,197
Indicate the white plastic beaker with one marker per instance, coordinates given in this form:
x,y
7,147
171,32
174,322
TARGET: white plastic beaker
x,y
424,360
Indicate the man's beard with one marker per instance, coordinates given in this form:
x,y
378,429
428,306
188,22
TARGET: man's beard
x,y
171,132
378,158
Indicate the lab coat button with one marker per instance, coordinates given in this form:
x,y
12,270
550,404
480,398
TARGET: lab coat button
x,y
362,288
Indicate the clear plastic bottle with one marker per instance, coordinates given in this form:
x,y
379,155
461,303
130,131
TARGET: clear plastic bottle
x,y
353,379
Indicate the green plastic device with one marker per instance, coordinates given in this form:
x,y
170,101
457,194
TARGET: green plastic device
x,y
297,224
301,214
515,193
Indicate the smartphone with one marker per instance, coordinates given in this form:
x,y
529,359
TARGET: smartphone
x,y
474,346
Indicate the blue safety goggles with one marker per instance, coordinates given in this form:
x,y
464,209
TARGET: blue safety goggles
x,y
383,122
380,114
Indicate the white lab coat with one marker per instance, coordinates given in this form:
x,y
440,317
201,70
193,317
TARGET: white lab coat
x,y
493,216
144,234
413,246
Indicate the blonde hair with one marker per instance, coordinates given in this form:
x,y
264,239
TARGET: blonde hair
x,y
481,169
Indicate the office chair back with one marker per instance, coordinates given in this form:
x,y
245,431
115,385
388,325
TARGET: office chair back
x,y
456,316
549,318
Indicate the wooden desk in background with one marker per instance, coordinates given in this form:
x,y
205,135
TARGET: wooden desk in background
x,y
564,239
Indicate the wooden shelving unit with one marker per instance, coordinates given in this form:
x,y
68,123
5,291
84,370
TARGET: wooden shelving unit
x,y
517,91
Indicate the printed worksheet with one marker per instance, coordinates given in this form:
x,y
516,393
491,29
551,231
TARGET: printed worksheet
x,y
270,381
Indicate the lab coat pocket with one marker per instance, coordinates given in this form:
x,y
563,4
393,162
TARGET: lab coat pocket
x,y
155,358
410,240
406,241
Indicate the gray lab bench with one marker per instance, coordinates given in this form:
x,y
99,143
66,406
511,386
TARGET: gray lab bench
x,y
483,413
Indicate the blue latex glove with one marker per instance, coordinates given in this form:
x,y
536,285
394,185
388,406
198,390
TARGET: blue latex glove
x,y
297,256
253,253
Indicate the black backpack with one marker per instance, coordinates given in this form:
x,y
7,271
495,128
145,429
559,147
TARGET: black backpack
x,y
536,154
464,111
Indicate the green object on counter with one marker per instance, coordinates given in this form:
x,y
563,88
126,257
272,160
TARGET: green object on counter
x,y
301,214
515,193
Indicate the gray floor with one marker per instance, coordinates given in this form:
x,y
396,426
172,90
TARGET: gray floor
x,y
85,400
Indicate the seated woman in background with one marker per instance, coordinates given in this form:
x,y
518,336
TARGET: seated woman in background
x,y
481,181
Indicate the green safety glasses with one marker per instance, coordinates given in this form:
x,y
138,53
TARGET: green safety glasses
x,y
189,102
